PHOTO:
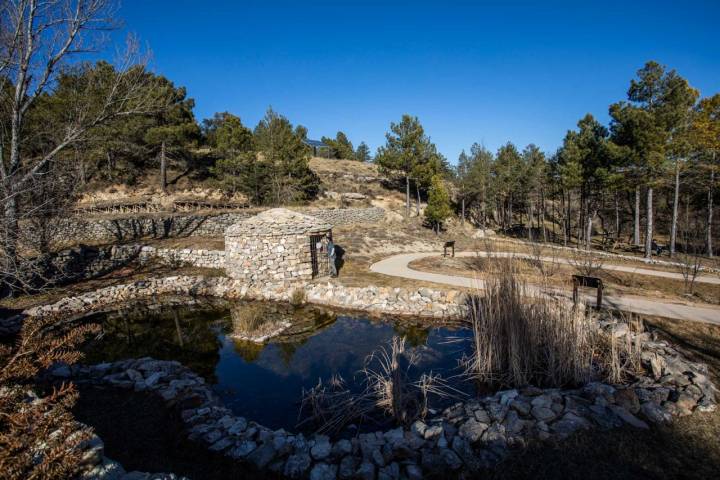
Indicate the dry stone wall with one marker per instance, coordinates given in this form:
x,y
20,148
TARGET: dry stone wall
x,y
122,229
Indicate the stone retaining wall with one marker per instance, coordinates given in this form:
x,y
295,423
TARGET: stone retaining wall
x,y
423,302
184,256
122,229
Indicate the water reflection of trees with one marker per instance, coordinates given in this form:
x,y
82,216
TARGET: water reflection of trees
x,y
414,335
166,332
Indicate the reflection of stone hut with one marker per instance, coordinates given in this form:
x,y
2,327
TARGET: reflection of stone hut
x,y
277,245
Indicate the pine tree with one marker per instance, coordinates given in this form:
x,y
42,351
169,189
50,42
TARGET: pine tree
x,y
438,207
362,154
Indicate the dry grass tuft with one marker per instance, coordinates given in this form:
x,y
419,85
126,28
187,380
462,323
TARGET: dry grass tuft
x,y
523,337
388,389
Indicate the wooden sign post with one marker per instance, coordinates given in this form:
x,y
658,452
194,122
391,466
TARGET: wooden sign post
x,y
590,282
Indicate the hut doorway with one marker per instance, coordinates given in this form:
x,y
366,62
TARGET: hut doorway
x,y
318,255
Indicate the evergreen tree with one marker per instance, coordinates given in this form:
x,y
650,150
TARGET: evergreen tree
x,y
705,135
175,130
507,175
406,149
341,146
287,158
438,207
362,154
658,104
226,133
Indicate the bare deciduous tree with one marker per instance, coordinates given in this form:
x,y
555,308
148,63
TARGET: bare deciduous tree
x,y
40,40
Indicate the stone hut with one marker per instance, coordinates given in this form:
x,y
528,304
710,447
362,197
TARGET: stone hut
x,y
277,245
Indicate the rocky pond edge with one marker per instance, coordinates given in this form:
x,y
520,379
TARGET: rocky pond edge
x,y
470,435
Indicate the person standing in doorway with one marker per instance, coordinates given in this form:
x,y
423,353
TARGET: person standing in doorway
x,y
332,256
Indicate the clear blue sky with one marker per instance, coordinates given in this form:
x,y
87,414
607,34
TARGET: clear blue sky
x,y
486,72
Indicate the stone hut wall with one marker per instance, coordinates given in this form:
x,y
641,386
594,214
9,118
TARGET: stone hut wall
x,y
258,258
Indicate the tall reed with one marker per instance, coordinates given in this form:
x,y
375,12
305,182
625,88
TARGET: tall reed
x,y
523,337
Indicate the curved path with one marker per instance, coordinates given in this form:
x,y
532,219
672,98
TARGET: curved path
x,y
397,266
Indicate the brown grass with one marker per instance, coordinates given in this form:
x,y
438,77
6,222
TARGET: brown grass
x,y
523,338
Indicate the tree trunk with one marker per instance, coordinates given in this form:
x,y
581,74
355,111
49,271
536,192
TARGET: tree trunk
x,y
710,209
530,220
462,215
542,215
417,191
636,231
588,231
163,167
407,195
676,198
617,217
649,224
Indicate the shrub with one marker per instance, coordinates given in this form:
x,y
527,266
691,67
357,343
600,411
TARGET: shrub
x,y
298,297
38,436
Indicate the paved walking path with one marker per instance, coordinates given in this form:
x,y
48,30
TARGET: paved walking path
x,y
397,266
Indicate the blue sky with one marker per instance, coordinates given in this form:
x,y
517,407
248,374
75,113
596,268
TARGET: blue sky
x,y
487,72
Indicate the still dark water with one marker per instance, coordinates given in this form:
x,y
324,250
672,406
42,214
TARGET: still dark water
x,y
264,382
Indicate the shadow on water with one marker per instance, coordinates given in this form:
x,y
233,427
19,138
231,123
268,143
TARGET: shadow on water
x,y
264,381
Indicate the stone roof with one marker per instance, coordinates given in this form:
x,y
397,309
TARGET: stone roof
x,y
277,222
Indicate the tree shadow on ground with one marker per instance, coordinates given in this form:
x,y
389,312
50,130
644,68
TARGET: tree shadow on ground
x,y
687,449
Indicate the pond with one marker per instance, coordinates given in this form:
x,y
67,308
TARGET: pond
x,y
264,381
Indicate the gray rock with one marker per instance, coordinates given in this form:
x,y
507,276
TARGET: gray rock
x,y
481,415
296,465
419,427
569,424
522,407
347,467
450,459
262,456
604,417
105,470
495,434
342,447
222,444
654,413
685,403
323,471
433,431
322,447
542,401
413,472
390,472
497,412
243,449
472,430
628,417
628,399
507,396
512,423
377,457
394,435
543,414
366,471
